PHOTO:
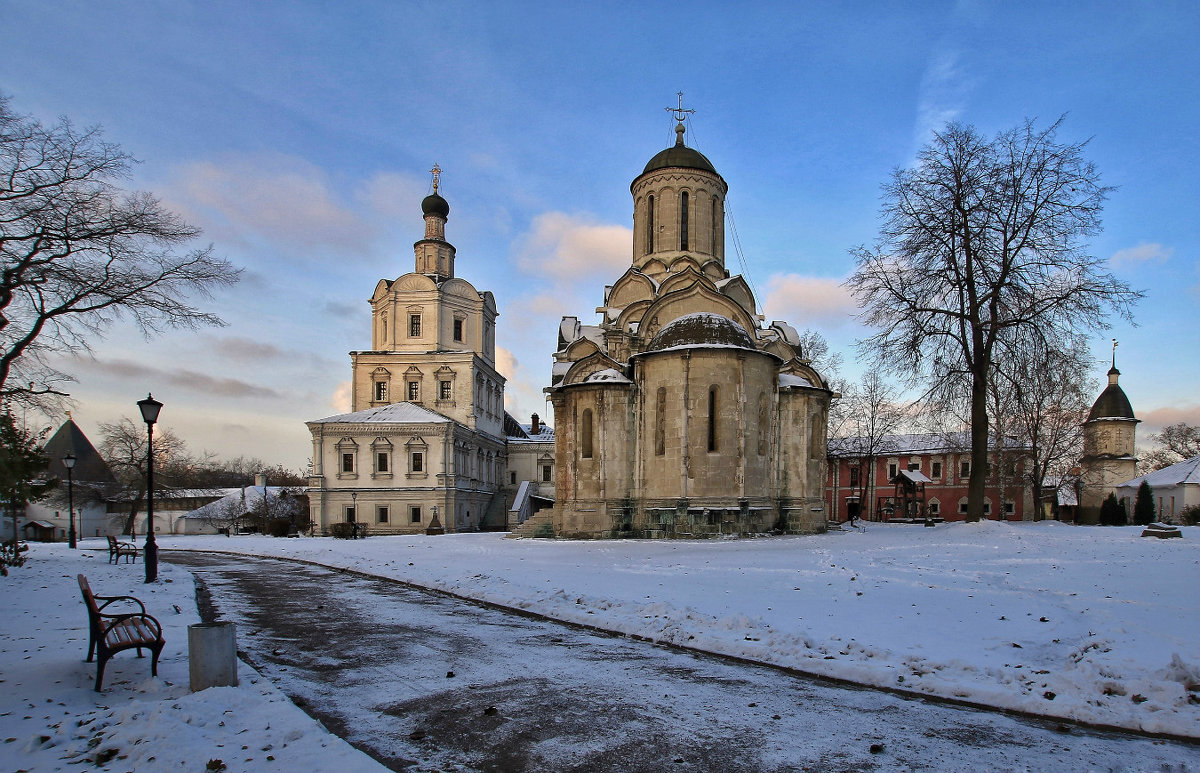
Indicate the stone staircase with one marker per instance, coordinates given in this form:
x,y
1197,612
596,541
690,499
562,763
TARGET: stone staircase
x,y
540,524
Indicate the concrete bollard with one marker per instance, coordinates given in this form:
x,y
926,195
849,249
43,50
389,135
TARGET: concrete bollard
x,y
212,655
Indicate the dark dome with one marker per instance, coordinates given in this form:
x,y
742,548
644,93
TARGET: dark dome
x,y
434,204
1112,404
702,329
680,156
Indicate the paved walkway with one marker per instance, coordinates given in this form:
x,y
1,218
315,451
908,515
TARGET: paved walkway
x,y
423,682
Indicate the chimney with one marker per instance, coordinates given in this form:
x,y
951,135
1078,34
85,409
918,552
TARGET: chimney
x,y
260,479
535,427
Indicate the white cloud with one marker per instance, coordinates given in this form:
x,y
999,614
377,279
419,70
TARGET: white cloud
x,y
273,197
522,394
340,399
394,195
569,247
1143,253
942,93
808,301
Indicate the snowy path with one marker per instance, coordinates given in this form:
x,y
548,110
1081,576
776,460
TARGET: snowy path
x,y
372,659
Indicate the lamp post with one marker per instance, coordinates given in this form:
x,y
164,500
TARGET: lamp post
x,y
150,408
354,515
69,462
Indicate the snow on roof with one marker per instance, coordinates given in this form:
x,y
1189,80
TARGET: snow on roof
x,y
253,494
916,476
608,374
924,443
1178,474
787,381
545,434
396,413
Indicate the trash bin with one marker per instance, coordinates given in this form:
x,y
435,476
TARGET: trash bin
x,y
212,655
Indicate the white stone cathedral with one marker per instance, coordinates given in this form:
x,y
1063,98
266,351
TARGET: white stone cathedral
x,y
681,413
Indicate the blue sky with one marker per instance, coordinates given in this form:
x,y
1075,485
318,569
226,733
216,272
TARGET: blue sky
x,y
299,135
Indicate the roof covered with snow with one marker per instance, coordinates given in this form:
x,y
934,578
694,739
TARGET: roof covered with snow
x,y
787,381
921,443
704,329
396,413
1181,473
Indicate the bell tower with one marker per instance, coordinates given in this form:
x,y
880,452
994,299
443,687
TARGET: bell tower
x,y
679,208
435,255
1108,446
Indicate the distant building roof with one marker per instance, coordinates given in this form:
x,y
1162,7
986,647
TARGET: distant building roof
x,y
90,467
921,443
1187,471
396,413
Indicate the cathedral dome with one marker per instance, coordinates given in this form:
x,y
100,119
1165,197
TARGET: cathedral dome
x,y
434,204
701,329
680,156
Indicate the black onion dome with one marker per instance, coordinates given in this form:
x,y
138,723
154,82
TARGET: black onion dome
x,y
434,204
1111,404
702,329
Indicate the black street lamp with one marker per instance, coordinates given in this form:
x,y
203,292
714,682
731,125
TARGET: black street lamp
x,y
354,515
150,408
69,462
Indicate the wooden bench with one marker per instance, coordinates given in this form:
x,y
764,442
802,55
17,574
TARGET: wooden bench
x,y
109,633
116,549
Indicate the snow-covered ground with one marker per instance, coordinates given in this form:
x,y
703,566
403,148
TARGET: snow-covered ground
x,y
1094,624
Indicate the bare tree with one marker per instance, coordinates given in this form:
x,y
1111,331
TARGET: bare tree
x,y
983,242
1046,394
869,416
77,253
123,446
816,349
1175,443
224,514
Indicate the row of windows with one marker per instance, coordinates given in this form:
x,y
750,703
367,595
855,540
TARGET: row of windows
x,y
383,514
412,390
383,462
414,327
685,210
935,470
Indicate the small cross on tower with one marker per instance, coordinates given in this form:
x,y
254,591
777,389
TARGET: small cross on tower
x,y
680,111
437,175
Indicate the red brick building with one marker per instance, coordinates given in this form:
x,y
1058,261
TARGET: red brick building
x,y
867,487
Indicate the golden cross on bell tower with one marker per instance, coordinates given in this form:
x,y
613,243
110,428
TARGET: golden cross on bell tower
x,y
1114,353
437,176
680,111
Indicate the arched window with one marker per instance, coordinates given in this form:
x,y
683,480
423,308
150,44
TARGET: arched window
x,y
762,425
713,407
713,225
585,434
683,221
649,225
660,422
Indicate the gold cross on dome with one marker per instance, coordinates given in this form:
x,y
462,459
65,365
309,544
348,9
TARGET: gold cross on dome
x,y
680,112
437,176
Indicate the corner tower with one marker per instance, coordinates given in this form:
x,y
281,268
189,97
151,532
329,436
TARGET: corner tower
x,y
1108,446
